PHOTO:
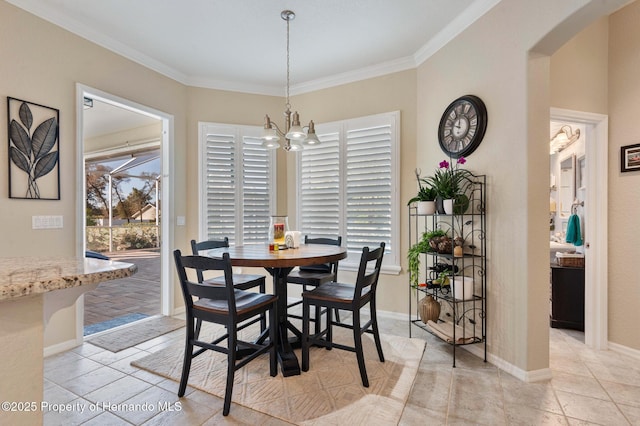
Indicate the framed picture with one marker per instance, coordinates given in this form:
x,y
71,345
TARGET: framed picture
x,y
630,158
34,158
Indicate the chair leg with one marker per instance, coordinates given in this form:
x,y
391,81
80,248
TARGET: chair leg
x,y
273,354
318,319
329,329
188,352
305,335
337,312
374,328
198,327
357,339
263,317
231,368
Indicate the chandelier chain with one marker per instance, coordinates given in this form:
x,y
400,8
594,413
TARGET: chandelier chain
x,y
288,105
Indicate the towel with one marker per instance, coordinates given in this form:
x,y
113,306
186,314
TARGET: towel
x,y
574,235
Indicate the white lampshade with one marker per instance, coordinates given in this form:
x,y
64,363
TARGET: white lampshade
x,y
294,146
296,133
270,143
312,138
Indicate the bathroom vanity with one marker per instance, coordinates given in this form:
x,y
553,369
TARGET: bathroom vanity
x,y
567,297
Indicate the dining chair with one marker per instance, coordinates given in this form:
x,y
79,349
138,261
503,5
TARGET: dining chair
x,y
240,281
314,275
228,306
349,297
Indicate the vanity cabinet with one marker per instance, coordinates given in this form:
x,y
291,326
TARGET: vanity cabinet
x,y
461,300
567,297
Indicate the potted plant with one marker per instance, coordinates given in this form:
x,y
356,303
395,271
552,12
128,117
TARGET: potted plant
x,y
450,184
426,197
415,251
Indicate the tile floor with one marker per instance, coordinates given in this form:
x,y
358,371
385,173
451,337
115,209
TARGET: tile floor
x,y
588,387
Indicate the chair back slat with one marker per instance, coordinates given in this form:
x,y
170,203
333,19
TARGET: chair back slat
x,y
367,273
203,263
333,266
197,247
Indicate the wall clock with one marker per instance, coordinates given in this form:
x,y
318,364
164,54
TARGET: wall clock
x,y
462,126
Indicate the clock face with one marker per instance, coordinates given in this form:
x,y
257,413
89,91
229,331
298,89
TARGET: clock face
x,y
462,126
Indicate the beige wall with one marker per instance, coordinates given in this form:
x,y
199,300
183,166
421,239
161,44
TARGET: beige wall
x,y
624,188
495,60
42,63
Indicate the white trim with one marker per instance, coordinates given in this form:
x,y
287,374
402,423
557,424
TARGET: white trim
x,y
60,347
596,257
471,14
625,350
167,203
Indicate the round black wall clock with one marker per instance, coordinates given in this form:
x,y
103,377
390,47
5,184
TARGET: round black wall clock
x,y
462,126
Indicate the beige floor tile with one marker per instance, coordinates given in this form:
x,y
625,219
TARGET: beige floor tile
x,y
631,413
106,419
74,412
93,380
118,391
523,415
145,405
590,409
414,415
623,393
581,385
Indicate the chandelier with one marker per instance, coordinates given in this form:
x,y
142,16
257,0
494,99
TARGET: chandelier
x,y
293,133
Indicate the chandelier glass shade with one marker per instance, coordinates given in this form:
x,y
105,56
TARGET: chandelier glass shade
x,y
294,134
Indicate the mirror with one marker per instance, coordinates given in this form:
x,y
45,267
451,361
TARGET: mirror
x,y
567,185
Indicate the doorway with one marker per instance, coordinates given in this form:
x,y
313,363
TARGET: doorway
x,y
593,182
141,164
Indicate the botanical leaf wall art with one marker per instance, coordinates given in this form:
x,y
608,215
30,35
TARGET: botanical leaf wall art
x,y
34,158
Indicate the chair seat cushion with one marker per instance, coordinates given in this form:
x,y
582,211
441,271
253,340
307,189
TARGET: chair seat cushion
x,y
333,292
313,278
321,267
245,301
241,281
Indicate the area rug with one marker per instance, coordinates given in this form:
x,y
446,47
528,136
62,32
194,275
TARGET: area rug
x,y
136,333
331,392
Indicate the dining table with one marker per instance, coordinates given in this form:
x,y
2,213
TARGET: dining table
x,y
279,263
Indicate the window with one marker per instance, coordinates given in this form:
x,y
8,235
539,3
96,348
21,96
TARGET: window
x,y
234,166
348,185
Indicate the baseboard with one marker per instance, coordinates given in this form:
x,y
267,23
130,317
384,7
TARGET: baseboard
x,y
61,347
616,347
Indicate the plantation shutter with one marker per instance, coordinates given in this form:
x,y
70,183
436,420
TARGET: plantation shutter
x,y
220,183
368,185
235,167
319,188
348,186
255,187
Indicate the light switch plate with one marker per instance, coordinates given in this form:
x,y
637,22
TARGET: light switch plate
x,y
180,220
46,222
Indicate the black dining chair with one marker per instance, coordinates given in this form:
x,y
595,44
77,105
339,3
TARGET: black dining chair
x,y
228,306
349,297
314,275
240,281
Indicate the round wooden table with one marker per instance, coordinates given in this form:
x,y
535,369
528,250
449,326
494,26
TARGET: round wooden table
x,y
279,263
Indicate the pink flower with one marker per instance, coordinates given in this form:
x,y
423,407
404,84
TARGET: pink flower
x,y
462,160
444,164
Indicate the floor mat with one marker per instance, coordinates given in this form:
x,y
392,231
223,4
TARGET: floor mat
x,y
112,323
132,335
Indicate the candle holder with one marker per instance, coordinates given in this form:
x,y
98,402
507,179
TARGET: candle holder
x,y
278,225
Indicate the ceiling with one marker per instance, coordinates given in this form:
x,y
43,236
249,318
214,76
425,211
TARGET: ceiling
x,y
240,45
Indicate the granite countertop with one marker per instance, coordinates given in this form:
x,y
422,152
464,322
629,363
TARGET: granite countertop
x,y
24,276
